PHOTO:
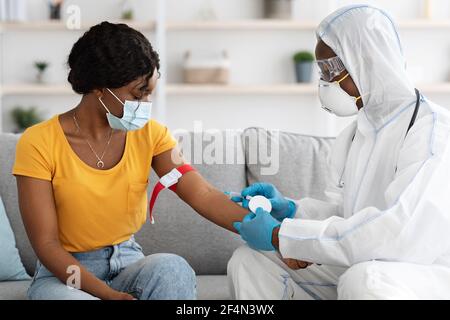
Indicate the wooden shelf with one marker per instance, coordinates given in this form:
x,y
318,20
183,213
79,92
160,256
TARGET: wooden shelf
x,y
35,90
276,89
257,24
189,89
435,88
424,24
269,24
213,25
61,26
172,89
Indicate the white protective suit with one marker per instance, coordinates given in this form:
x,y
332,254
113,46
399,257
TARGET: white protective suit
x,y
385,230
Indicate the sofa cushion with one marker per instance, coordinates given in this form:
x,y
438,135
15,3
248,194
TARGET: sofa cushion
x,y
213,288
208,288
179,229
296,164
11,268
14,290
8,192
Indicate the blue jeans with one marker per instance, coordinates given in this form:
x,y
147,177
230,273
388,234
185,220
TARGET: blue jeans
x,y
124,268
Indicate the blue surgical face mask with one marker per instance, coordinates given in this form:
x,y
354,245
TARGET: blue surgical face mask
x,y
135,114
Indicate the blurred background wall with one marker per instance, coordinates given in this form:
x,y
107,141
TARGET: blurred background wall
x,y
252,46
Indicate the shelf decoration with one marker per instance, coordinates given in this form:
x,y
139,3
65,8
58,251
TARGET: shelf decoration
x,y
41,67
55,9
206,70
279,9
127,10
304,61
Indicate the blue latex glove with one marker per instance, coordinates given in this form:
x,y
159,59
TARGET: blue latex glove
x,y
281,207
256,229
235,197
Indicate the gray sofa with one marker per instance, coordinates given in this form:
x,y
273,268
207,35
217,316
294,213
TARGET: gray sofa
x,y
178,229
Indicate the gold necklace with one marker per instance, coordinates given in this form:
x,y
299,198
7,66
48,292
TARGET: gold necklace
x,y
100,163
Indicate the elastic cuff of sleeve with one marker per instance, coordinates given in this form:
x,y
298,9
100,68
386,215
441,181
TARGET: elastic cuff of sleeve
x,y
276,225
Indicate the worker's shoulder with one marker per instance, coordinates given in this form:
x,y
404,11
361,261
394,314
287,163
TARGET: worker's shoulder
x,y
432,127
437,113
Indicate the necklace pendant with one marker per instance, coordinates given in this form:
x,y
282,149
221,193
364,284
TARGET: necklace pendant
x,y
100,164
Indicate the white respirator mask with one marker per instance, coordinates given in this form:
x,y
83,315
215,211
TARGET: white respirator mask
x,y
335,100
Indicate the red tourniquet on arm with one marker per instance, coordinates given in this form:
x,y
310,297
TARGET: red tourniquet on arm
x,y
169,181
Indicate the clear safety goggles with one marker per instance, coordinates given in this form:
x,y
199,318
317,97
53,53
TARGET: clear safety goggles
x,y
330,68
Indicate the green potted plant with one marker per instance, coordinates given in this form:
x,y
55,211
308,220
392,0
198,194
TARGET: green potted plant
x,y
303,66
24,118
127,10
41,66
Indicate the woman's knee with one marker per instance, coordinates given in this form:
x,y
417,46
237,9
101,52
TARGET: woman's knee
x,y
51,288
171,266
173,274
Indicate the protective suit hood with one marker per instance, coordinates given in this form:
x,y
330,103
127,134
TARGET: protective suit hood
x,y
367,41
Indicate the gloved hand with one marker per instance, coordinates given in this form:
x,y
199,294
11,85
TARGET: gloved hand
x,y
281,207
256,229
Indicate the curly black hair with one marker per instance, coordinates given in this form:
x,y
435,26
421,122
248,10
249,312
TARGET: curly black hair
x,y
110,55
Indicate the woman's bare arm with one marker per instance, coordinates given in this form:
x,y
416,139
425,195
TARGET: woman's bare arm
x,y
37,207
193,189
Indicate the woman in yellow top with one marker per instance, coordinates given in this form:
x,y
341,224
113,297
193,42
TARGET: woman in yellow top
x,y
82,178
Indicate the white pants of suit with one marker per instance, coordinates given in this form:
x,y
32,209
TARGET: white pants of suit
x,y
263,275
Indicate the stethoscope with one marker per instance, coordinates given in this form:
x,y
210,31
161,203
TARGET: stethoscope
x,y
411,123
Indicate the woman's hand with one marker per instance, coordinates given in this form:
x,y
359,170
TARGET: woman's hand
x,y
296,264
117,295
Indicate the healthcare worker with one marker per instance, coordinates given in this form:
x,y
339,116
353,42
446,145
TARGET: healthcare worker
x,y
384,232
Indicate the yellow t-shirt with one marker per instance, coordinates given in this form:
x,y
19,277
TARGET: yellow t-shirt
x,y
95,208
